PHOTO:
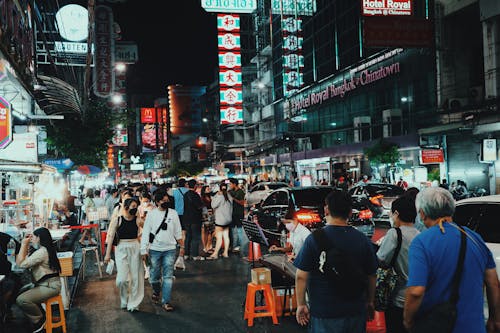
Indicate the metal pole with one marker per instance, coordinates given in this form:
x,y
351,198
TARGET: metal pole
x,y
157,145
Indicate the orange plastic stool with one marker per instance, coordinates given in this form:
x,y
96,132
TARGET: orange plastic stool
x,y
254,253
49,325
269,307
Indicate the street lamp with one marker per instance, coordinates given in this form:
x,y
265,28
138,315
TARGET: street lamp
x,y
120,67
408,100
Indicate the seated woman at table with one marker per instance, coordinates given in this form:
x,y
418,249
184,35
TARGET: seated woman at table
x,y
45,269
129,267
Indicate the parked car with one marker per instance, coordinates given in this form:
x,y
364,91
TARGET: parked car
x,y
481,215
378,198
257,193
308,203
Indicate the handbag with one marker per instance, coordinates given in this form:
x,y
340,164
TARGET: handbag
x,y
387,279
162,225
442,317
116,238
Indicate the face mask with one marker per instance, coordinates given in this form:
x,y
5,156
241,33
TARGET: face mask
x,y
164,205
133,211
36,246
290,226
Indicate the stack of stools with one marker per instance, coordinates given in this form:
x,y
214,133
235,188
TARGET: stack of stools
x,y
84,256
50,324
268,309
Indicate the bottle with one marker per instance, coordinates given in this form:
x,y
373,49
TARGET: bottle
x,y
11,252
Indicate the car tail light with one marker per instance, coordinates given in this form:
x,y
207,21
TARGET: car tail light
x,y
376,200
365,214
308,217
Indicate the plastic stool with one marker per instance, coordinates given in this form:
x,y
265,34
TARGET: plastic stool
x,y
84,257
49,325
269,307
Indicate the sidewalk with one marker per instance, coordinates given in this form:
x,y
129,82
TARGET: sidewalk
x,y
208,297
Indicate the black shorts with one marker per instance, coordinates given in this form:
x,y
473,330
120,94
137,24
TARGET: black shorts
x,y
223,226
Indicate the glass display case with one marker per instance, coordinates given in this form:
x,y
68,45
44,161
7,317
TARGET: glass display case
x,y
17,219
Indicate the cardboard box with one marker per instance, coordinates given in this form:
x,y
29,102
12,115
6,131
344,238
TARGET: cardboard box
x,y
261,275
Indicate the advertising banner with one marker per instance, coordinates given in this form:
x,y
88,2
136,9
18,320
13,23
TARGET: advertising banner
x,y
148,115
148,137
231,115
24,148
431,156
120,138
294,7
230,78
489,152
233,6
229,60
387,7
126,52
5,123
229,41
228,22
397,32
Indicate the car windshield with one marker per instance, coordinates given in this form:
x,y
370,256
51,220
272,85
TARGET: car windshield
x,y
276,186
482,218
385,190
311,197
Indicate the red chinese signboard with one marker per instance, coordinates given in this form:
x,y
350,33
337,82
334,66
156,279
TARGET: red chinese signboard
x,y
148,115
104,52
432,156
5,123
397,32
387,7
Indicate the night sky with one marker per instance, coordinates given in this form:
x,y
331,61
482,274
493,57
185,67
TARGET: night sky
x,y
176,46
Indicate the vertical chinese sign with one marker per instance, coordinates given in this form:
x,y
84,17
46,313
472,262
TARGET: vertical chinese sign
x,y
230,79
5,123
104,52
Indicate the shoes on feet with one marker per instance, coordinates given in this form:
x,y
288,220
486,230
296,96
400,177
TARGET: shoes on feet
x,y
38,327
198,258
155,299
236,249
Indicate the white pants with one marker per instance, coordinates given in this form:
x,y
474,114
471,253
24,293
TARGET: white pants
x,y
130,274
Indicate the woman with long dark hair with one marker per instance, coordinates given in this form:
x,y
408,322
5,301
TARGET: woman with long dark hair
x,y
45,269
222,204
207,219
130,271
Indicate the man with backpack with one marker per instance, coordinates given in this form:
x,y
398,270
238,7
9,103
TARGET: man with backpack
x,y
337,265
179,203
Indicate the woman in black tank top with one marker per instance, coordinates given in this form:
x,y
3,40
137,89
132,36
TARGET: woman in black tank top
x,y
130,271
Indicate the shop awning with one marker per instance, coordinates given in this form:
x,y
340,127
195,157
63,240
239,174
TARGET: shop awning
x,y
55,96
11,166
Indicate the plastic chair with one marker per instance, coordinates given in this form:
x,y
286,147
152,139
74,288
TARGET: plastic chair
x,y
84,259
251,311
50,324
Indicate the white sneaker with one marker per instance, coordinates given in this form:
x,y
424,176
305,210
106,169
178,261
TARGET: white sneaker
x,y
198,258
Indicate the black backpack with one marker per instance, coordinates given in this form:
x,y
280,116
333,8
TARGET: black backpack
x,y
346,273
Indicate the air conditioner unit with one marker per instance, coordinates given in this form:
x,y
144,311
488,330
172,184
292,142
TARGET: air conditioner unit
x,y
362,128
393,125
457,103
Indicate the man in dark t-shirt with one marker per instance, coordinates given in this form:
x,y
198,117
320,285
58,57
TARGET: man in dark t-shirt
x,y
328,310
192,220
238,213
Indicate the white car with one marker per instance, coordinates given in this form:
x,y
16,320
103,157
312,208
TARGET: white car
x,y
260,191
481,215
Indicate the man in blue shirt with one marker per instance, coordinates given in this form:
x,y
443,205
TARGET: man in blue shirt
x,y
179,203
329,310
433,258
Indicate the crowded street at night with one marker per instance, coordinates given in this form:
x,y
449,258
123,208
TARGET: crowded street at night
x,y
260,166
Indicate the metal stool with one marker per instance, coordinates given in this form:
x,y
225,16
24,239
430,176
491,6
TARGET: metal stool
x,y
84,259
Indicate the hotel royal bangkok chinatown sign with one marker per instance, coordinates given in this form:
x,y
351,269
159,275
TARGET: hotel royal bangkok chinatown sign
x,y
229,44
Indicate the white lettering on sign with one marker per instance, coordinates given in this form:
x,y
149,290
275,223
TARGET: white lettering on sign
x,y
340,89
71,47
387,7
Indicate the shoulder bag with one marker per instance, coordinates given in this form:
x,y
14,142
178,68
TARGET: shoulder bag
x,y
387,279
162,226
116,238
442,317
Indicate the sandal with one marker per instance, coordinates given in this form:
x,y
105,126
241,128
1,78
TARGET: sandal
x,y
168,307
155,299
212,258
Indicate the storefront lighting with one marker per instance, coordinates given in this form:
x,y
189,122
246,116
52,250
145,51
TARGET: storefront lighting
x,y
120,67
205,120
119,126
333,124
404,99
261,85
117,99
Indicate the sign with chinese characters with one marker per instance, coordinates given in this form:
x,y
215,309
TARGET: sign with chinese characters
x,y
104,52
231,115
293,61
294,7
229,6
387,7
229,59
5,123
120,138
230,77
489,153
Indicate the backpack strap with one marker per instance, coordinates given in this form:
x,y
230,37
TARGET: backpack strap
x,y
398,247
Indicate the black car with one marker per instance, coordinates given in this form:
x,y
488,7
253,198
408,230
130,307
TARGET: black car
x,y
377,197
308,203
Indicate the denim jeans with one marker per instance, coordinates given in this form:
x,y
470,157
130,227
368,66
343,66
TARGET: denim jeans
x,y
193,239
161,273
355,324
236,236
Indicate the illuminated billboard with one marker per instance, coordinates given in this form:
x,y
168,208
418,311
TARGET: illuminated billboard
x,y
229,6
387,7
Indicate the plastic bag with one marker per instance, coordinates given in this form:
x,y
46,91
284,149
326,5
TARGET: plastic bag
x,y
110,267
179,263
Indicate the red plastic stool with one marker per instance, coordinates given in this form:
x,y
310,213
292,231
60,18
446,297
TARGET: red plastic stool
x,y
269,307
377,325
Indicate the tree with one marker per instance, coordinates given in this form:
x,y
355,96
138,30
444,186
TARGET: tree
x,y
184,169
383,152
83,140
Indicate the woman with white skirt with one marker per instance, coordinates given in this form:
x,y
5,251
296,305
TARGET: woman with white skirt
x,y
130,271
